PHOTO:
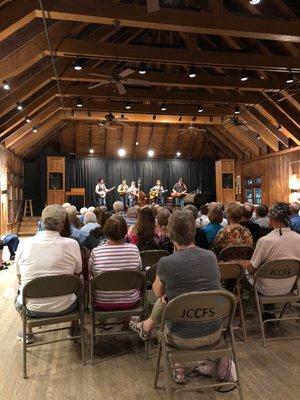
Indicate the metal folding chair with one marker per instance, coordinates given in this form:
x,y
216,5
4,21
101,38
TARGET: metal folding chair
x,y
190,307
150,257
52,286
232,253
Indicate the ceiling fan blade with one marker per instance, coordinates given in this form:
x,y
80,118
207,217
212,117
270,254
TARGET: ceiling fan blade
x,y
121,88
126,72
101,75
133,81
95,85
152,6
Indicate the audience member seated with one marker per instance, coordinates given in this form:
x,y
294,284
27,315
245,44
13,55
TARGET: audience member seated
x,y
281,243
215,216
261,213
143,233
90,223
234,234
118,208
98,212
221,206
91,209
200,236
12,243
66,205
46,254
247,212
295,217
162,223
202,217
131,216
74,222
188,269
82,212
115,255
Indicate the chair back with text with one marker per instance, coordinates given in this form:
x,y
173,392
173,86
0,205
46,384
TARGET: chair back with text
x,y
279,269
150,257
236,253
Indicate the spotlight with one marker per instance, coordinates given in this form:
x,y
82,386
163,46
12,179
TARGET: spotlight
x,y
194,119
121,152
91,151
258,137
200,108
192,72
244,76
142,69
237,110
79,103
163,107
211,119
254,2
34,129
5,85
154,117
27,119
178,154
289,78
150,153
136,143
19,106
128,105
180,118
279,127
89,114
77,65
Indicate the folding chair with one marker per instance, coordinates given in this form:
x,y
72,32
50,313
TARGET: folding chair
x,y
231,253
52,286
276,269
197,307
232,270
150,257
115,281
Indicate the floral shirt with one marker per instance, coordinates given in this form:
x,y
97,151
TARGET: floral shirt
x,y
232,235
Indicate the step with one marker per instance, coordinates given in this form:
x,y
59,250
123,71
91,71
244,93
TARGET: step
x,y
26,233
36,218
28,223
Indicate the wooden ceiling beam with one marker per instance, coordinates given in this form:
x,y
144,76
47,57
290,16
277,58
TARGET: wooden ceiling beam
x,y
242,138
223,139
221,144
15,17
166,55
232,139
169,19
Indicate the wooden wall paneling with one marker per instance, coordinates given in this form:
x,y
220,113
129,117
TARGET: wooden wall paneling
x,y
223,194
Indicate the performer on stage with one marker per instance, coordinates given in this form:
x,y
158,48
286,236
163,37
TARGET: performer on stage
x,y
179,190
123,192
101,190
156,193
132,194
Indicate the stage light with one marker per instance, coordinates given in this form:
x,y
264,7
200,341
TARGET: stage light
x,y
79,103
27,119
136,143
178,154
279,127
142,69
237,110
211,119
290,78
5,85
163,107
91,151
244,76
19,106
254,2
150,153
192,72
180,118
194,119
89,114
34,129
128,105
121,152
77,65
200,108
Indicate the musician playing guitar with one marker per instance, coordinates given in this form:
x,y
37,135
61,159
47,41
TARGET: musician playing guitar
x,y
101,191
156,193
132,194
179,191
123,192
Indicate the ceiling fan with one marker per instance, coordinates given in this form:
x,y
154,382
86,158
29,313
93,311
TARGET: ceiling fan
x,y
111,122
237,122
191,129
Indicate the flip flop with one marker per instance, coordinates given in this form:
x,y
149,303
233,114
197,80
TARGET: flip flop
x,y
145,336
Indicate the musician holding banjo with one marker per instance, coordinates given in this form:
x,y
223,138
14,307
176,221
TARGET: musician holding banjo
x,y
123,192
156,193
132,194
101,191
179,191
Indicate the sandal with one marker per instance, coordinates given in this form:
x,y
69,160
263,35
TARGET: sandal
x,y
145,336
178,378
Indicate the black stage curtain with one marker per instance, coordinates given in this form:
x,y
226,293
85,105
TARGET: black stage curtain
x,y
85,172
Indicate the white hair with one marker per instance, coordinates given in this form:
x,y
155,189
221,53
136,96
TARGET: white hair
x,y
65,205
118,206
89,217
83,210
91,208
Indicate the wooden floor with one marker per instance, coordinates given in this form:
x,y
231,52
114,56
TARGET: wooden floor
x,y
121,373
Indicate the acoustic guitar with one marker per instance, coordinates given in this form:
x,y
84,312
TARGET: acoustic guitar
x,y
153,194
177,194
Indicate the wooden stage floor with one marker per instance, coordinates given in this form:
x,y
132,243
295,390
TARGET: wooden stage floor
x,y
121,373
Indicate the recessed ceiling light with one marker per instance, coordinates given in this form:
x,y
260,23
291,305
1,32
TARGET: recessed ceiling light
x,y
34,129
5,85
142,69
178,154
19,106
121,152
27,119
237,110
290,78
163,107
77,65
79,103
192,72
150,153
128,105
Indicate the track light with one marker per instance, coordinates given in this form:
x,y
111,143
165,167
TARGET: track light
x,y
290,78
180,118
200,108
211,119
89,114
142,69
5,85
258,137
91,151
254,2
128,105
192,72
154,117
222,119
178,154
279,127
19,106
72,113
34,129
237,110
194,118
27,119
244,76
79,103
163,107
121,152
77,65
150,153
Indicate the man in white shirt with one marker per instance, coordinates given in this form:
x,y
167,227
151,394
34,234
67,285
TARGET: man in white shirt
x,y
48,254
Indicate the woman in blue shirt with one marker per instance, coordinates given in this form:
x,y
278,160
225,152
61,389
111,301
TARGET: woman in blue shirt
x,y
215,216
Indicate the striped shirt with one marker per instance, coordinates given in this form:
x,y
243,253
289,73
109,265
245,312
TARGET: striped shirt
x,y
115,258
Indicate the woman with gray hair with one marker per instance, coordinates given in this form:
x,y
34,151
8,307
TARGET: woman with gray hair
x,y
90,223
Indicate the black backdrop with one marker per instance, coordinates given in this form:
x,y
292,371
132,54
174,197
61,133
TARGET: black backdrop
x,y
84,172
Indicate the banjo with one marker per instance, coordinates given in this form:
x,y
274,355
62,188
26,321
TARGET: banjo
x,y
102,193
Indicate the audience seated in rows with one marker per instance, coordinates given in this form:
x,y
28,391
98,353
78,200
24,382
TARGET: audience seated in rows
x,y
144,233
234,234
162,223
118,208
247,212
215,216
82,212
90,223
218,204
261,216
200,237
131,216
115,255
12,243
202,218
295,217
75,223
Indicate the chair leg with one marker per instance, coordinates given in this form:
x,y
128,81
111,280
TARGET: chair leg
x,y
157,366
167,372
260,319
236,365
147,349
282,311
82,334
24,348
92,335
242,317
